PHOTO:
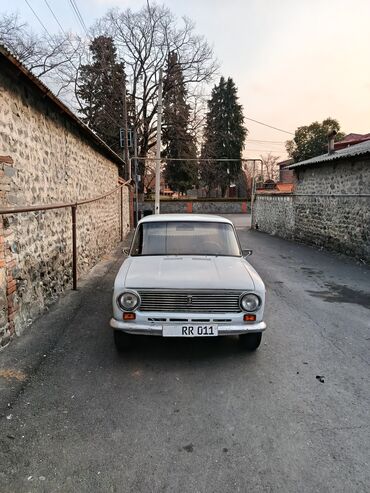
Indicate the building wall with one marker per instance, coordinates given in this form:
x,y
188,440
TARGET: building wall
x,y
46,159
329,208
286,175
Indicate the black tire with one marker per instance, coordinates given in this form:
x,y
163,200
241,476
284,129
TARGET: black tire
x,y
250,342
122,340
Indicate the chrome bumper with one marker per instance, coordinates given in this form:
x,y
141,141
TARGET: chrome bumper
x,y
156,329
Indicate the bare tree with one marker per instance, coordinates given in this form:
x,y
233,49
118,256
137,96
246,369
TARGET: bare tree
x,y
248,168
17,37
144,39
269,167
55,59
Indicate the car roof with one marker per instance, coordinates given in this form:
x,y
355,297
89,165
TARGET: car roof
x,y
184,217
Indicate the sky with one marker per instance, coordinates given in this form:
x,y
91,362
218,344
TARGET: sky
x,y
293,61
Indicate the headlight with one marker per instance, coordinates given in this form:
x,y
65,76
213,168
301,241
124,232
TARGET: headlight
x,y
249,302
128,301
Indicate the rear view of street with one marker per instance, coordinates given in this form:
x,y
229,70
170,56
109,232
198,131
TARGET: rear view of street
x,y
197,415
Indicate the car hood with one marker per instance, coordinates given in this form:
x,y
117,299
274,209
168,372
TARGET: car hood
x,y
195,272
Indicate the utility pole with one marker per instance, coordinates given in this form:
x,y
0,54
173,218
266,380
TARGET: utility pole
x,y
125,129
158,156
136,177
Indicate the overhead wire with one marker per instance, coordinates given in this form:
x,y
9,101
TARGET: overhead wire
x,y
277,151
78,15
81,21
55,17
270,126
51,39
40,21
264,144
269,141
79,12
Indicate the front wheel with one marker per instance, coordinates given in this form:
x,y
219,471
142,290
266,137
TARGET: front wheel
x,y
122,340
250,342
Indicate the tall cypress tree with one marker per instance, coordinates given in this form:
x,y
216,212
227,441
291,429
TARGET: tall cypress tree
x,y
100,90
224,136
177,140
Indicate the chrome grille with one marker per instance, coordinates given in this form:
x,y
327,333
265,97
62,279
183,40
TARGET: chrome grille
x,y
153,300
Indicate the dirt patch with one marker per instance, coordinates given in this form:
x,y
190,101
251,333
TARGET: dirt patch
x,y
13,375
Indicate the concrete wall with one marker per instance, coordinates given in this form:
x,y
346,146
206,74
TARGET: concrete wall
x,y
229,206
48,160
329,208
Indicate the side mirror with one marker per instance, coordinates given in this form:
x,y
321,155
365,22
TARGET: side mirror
x,y
247,253
125,251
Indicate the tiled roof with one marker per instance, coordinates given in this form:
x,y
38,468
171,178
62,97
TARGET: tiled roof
x,y
356,150
284,187
351,139
280,189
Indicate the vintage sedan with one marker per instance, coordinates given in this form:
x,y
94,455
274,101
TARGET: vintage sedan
x,y
187,276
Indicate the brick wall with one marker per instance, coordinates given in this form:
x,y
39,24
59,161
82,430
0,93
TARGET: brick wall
x,y
329,208
47,159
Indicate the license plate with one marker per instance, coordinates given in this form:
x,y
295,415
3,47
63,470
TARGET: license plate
x,y
190,330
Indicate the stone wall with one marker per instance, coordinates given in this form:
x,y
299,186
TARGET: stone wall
x,y
274,214
199,206
47,158
330,207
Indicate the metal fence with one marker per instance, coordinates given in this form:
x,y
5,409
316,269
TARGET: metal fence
x,y
73,206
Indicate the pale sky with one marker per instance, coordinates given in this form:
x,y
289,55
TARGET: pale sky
x,y
293,61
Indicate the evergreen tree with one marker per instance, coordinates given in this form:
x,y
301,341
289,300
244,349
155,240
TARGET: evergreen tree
x,y
224,136
177,140
100,88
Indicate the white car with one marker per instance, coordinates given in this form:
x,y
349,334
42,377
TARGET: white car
x,y
187,276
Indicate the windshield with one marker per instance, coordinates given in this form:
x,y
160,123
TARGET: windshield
x,y
185,238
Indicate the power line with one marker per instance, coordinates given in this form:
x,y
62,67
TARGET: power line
x,y
267,141
263,145
38,18
270,126
51,39
78,15
55,17
247,149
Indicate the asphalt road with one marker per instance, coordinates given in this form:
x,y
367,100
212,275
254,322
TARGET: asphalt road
x,y
197,415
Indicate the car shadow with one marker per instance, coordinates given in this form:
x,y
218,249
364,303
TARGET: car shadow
x,y
197,350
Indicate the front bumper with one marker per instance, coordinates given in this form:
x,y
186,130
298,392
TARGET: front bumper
x,y
156,329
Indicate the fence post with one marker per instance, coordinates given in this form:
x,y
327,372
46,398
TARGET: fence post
x,y
74,247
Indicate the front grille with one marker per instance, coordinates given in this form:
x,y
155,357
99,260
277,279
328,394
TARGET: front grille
x,y
153,300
